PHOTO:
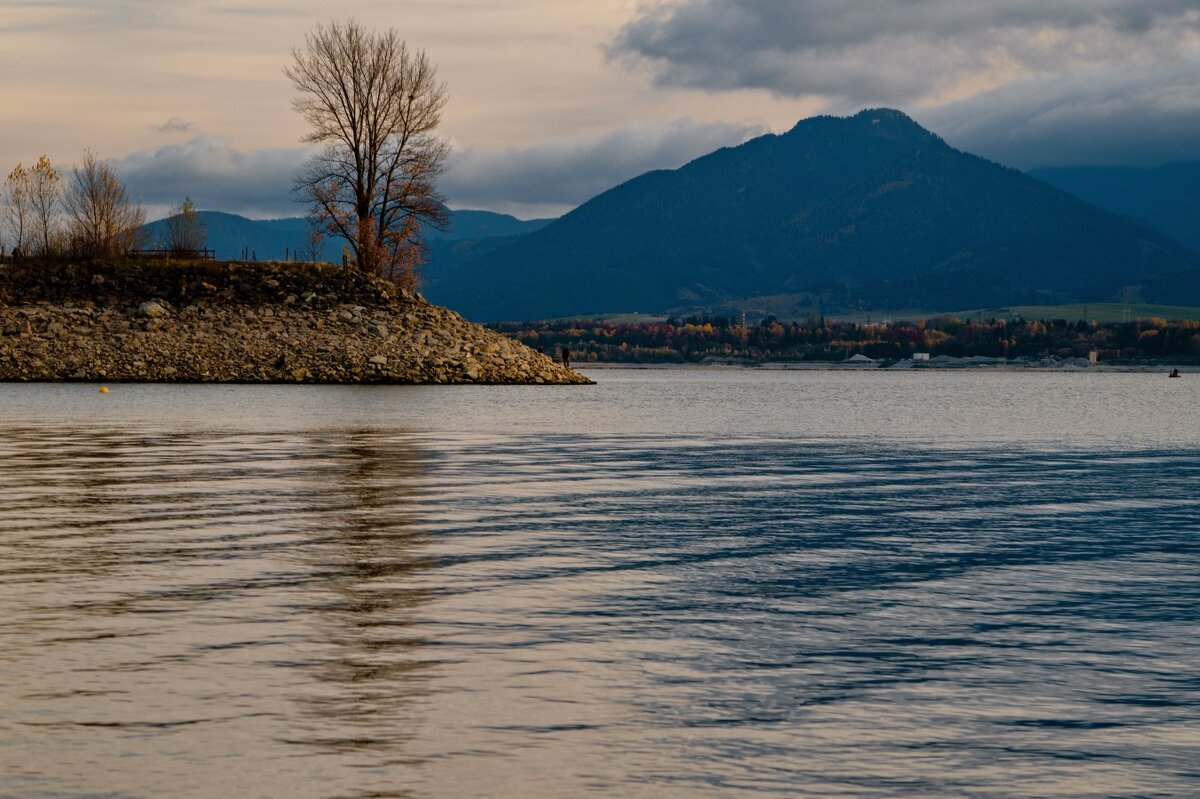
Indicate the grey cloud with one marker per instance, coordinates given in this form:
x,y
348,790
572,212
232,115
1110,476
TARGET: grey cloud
x,y
549,179
216,177
173,125
543,180
1101,115
891,51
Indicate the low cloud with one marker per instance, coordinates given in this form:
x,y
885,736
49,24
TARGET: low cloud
x,y
542,180
550,179
1101,115
216,177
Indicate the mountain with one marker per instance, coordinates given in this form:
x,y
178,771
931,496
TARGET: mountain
x,y
270,239
475,225
471,234
1165,196
228,234
868,211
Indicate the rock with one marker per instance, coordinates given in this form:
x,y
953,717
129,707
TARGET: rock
x,y
151,309
378,360
345,316
378,329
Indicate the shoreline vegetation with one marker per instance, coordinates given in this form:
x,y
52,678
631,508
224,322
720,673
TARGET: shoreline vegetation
x,y
946,342
835,366
121,320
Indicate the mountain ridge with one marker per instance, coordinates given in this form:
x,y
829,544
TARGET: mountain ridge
x,y
273,239
865,211
1164,196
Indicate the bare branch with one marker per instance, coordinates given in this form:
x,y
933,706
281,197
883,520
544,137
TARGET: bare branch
x,y
103,221
375,106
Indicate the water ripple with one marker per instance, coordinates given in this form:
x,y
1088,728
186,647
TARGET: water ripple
x,y
375,612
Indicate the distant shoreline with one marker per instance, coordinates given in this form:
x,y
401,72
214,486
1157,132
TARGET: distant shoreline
x,y
829,366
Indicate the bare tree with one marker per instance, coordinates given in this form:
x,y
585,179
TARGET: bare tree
x,y
45,197
18,208
103,221
374,105
185,232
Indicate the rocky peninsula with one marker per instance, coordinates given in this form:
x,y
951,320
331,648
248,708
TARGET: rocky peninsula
x,y
199,322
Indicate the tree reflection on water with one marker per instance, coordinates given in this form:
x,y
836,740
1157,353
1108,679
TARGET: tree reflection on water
x,y
375,668
224,594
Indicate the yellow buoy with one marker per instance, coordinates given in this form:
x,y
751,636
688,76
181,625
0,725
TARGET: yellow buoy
x,y
103,389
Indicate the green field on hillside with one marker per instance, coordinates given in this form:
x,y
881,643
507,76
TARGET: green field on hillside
x,y
631,318
1092,312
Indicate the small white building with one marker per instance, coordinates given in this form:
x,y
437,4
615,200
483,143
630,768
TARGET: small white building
x,y
920,356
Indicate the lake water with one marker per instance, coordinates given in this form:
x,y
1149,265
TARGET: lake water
x,y
671,584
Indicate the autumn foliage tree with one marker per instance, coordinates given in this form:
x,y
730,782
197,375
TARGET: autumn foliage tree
x,y
45,200
17,208
184,230
313,246
374,106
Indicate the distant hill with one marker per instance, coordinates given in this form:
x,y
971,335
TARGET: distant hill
x,y
271,239
869,211
475,225
1167,197
228,234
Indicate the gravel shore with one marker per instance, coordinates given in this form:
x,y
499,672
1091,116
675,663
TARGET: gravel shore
x,y
250,323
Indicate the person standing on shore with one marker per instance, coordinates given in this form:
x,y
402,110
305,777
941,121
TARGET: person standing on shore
x,y
566,356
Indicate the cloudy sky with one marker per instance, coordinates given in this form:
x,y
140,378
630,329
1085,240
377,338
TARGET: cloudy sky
x,y
552,102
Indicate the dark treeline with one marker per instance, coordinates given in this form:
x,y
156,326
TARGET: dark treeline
x,y
697,339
